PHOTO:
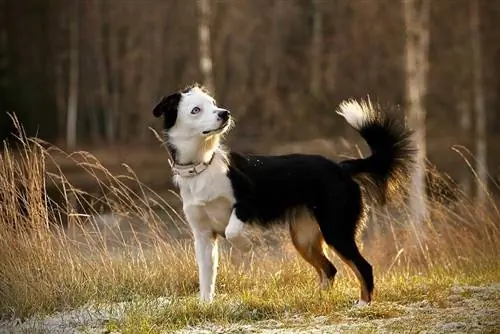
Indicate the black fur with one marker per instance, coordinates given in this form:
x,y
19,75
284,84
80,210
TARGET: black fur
x,y
168,107
386,172
169,104
270,188
267,187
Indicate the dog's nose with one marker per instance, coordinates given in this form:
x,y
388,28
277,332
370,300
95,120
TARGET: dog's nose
x,y
223,114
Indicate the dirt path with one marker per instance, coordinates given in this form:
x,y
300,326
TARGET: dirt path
x,y
467,309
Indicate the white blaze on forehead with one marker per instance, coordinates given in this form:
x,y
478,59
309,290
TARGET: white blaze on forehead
x,y
356,113
198,91
193,90
197,96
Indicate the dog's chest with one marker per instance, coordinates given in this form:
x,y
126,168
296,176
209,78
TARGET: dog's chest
x,y
207,200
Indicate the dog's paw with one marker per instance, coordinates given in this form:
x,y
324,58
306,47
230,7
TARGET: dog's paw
x,y
324,282
206,298
361,304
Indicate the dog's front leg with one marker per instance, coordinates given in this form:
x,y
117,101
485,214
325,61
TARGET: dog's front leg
x,y
207,257
235,233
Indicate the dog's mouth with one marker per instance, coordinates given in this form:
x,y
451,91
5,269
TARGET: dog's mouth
x,y
221,128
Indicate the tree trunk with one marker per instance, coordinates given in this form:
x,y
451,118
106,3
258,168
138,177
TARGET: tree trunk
x,y
152,70
98,19
464,110
60,93
479,109
316,48
73,87
204,40
416,13
111,18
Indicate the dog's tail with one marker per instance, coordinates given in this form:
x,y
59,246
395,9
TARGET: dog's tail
x,y
386,171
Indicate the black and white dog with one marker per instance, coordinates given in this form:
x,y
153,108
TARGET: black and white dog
x,y
321,200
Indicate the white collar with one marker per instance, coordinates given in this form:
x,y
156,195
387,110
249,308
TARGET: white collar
x,y
193,169
185,170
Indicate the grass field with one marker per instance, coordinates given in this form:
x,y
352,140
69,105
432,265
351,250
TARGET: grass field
x,y
64,270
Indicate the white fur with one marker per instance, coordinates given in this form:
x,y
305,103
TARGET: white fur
x,y
208,197
361,304
235,234
207,257
356,113
187,134
207,203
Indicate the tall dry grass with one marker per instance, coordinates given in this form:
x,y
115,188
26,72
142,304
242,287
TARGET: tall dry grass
x,y
54,255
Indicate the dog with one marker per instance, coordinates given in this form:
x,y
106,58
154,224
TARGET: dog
x,y
322,201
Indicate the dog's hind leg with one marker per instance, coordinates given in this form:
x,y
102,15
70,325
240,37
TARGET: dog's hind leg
x,y
307,239
349,253
338,226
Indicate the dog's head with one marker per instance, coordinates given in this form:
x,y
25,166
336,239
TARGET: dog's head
x,y
192,113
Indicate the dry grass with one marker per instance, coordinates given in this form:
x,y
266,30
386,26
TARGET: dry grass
x,y
54,258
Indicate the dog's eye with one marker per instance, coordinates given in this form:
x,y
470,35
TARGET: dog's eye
x,y
195,110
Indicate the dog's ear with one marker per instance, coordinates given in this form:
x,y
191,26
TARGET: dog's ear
x,y
168,107
166,104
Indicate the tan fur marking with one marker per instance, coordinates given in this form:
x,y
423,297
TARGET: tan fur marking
x,y
308,241
210,143
364,295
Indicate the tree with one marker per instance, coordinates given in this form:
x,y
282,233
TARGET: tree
x,y
416,14
5,123
316,48
204,40
479,109
463,108
74,66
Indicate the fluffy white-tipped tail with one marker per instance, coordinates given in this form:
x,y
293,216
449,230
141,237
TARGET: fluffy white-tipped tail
x,y
386,170
357,113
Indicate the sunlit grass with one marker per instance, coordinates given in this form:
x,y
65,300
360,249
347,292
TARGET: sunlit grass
x,y
284,300
54,257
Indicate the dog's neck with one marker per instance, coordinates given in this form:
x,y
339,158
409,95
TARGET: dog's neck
x,y
193,151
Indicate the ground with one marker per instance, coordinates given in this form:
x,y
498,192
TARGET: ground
x,y
465,309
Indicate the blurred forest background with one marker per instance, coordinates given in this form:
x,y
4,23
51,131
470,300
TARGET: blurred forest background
x,y
86,73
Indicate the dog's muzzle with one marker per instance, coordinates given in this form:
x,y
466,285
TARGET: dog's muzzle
x,y
223,115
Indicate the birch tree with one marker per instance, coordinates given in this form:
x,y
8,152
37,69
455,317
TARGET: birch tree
x,y
73,80
479,108
416,14
204,10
